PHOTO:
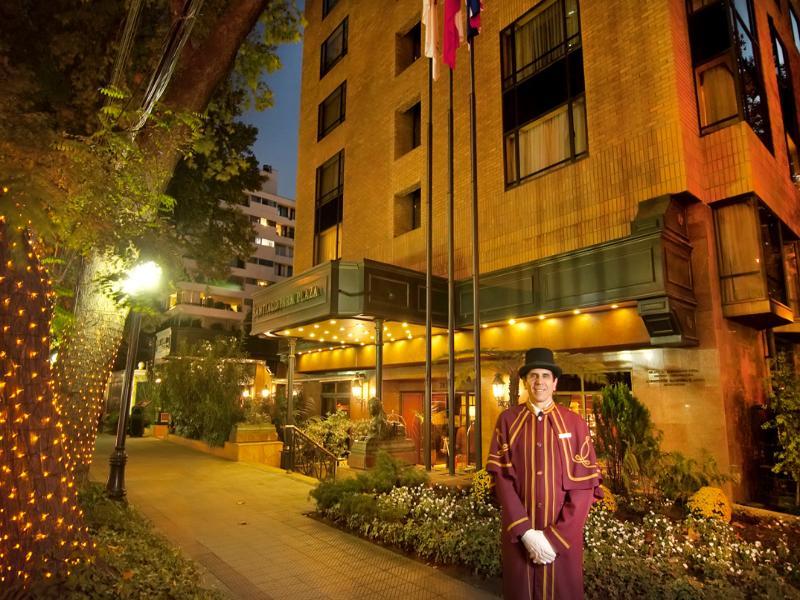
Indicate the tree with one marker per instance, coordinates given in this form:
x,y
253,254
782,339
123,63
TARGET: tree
x,y
41,531
84,187
203,391
625,436
784,406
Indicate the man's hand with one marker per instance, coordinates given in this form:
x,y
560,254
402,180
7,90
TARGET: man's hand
x,y
538,547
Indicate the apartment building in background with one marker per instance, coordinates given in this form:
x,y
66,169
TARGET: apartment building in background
x,y
637,173
197,311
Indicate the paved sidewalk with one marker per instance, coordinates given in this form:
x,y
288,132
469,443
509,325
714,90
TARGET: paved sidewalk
x,y
245,525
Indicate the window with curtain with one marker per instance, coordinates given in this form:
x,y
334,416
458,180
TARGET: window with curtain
x,y
750,248
725,56
544,107
328,211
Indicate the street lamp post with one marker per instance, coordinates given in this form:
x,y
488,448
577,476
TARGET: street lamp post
x,y
141,278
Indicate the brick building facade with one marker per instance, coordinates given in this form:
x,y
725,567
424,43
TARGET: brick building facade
x,y
638,206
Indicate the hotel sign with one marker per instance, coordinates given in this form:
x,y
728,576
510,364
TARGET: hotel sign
x,y
299,297
163,343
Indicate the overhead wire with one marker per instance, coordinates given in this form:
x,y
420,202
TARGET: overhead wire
x,y
178,35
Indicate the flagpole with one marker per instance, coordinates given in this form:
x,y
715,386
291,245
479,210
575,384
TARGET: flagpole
x,y
451,292
428,400
476,274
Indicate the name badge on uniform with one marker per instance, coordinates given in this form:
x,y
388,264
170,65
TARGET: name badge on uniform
x,y
563,436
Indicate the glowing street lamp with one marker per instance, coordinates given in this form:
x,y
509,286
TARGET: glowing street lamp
x,y
141,279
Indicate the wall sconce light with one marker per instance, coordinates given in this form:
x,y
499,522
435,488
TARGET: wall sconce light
x,y
265,393
499,390
245,393
357,385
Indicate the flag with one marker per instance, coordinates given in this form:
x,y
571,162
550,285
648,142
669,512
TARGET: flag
x,y
432,47
453,31
474,8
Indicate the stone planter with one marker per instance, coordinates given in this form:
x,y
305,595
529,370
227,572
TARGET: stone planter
x,y
364,452
245,432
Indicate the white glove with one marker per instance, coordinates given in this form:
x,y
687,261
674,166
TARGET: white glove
x,y
538,546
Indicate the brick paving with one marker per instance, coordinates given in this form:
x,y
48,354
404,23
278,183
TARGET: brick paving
x,y
245,525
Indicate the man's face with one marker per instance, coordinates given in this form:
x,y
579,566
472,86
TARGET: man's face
x,y
541,384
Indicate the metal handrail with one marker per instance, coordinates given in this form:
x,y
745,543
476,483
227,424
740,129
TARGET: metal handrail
x,y
307,456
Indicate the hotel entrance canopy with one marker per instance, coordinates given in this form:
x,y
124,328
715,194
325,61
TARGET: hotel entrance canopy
x,y
648,273
348,293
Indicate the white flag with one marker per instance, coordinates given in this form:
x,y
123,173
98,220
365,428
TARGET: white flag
x,y
432,46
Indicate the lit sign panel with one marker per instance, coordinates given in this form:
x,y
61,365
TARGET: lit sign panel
x,y
300,296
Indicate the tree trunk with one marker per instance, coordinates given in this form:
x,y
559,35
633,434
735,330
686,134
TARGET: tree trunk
x,y
40,525
41,529
85,362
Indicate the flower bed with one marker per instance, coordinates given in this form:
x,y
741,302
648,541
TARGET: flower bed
x,y
647,554
433,523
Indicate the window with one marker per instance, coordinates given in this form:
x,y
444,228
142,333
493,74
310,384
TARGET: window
x,y
261,261
283,270
407,212
409,48
579,392
331,111
335,396
333,49
788,106
544,112
328,210
795,27
286,212
727,68
771,247
327,6
408,130
286,231
260,241
281,250
752,273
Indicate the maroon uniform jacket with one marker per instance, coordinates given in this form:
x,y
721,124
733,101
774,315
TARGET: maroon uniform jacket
x,y
546,477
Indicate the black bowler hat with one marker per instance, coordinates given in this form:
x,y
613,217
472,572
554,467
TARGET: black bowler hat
x,y
539,358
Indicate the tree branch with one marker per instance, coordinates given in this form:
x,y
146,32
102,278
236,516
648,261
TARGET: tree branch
x,y
201,69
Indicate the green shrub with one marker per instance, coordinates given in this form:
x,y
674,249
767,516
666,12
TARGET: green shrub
x,y
626,439
681,476
203,393
389,473
132,561
329,493
335,433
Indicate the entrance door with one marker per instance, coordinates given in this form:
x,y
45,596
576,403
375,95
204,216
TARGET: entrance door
x,y
411,411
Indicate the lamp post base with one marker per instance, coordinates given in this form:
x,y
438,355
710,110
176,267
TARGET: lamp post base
x,y
115,488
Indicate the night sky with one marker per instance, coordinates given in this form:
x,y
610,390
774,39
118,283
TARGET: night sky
x,y
277,126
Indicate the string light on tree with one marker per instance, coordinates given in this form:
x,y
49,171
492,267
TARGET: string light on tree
x,y
41,525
